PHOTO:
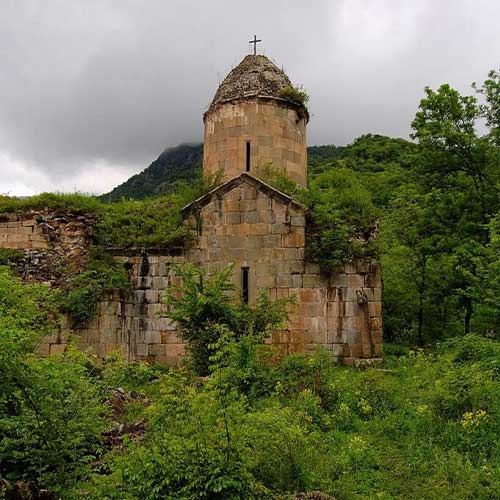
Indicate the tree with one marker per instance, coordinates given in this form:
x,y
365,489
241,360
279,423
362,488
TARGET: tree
x,y
51,411
205,302
460,166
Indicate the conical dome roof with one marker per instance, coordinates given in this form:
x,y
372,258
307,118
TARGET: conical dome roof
x,y
256,75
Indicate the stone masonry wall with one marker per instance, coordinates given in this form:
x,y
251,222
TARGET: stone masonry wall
x,y
276,133
55,246
256,230
132,322
55,243
247,225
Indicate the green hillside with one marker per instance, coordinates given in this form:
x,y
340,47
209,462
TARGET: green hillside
x,y
180,163
183,163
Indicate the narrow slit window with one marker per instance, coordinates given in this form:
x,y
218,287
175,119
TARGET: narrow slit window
x,y
248,156
245,286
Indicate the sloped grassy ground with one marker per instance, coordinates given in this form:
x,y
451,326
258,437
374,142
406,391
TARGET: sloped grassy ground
x,y
422,426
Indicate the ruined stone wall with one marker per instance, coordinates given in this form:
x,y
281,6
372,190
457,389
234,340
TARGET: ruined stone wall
x,y
55,243
132,323
55,246
246,225
258,231
22,232
276,133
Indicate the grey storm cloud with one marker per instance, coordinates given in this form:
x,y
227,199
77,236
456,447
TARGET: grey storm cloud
x,y
91,91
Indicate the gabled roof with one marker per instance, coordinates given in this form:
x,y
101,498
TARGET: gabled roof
x,y
237,181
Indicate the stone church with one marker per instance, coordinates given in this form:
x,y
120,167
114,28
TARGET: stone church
x,y
247,223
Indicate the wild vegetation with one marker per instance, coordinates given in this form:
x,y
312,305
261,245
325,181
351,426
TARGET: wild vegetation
x,y
125,223
174,166
424,425
153,222
296,96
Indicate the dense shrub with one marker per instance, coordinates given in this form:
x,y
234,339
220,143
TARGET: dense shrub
x,y
51,415
9,256
201,306
77,203
342,220
425,425
295,95
84,290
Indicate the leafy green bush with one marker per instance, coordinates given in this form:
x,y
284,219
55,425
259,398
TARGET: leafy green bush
x,y
342,220
116,372
201,305
77,203
150,222
424,425
102,274
282,450
295,95
278,179
51,415
9,256
188,452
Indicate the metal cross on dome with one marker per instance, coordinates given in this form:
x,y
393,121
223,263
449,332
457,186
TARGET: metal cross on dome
x,y
255,42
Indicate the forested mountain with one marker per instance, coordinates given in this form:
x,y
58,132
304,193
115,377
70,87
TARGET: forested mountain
x,y
180,163
183,163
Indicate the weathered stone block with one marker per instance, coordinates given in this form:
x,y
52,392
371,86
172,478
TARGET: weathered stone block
x,y
263,202
376,324
252,217
339,350
356,280
247,205
353,338
43,349
152,337
271,241
141,349
283,280
350,268
310,280
266,281
280,228
316,337
260,228
293,240
375,309
356,350
157,349
266,216
298,220
339,280
312,268
307,295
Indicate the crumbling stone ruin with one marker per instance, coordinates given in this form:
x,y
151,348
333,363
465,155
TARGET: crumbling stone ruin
x,y
244,222
55,243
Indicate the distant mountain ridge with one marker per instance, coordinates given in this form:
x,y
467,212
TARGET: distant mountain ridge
x,y
183,164
177,164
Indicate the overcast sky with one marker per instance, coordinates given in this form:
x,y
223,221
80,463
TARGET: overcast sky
x,y
91,91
